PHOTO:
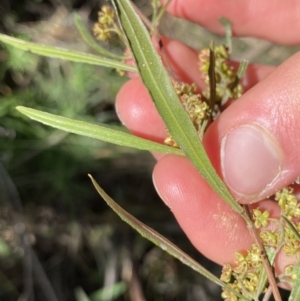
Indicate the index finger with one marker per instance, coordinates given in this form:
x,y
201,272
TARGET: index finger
x,y
274,20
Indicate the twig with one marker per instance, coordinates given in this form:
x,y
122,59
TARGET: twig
x,y
268,294
159,16
264,258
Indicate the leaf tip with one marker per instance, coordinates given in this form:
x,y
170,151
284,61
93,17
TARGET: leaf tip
x,y
225,21
20,109
93,181
76,18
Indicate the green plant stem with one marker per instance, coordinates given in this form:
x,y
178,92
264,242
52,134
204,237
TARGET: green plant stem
x,y
240,73
158,17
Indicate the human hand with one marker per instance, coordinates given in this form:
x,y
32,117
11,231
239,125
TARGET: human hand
x,y
254,144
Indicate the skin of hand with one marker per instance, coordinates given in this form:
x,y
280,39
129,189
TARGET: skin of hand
x,y
254,144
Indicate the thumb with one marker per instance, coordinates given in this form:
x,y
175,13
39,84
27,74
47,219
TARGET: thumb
x,y
255,143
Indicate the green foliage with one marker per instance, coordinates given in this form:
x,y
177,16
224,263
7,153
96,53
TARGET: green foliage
x,y
73,90
70,88
107,293
4,249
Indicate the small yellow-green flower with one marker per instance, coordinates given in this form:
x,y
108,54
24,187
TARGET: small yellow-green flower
x,y
226,273
291,271
291,247
270,238
101,32
254,256
260,218
229,296
241,263
284,197
106,15
250,281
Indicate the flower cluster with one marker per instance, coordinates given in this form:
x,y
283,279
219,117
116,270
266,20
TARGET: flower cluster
x,y
227,83
198,105
106,24
194,105
243,276
283,235
290,209
288,203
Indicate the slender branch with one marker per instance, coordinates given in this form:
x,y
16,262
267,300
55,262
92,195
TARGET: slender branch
x,y
268,294
264,257
159,16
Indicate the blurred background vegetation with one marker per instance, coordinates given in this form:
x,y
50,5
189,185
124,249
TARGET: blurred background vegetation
x,y
58,240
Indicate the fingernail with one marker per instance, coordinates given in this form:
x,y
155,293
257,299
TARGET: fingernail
x,y
158,191
251,160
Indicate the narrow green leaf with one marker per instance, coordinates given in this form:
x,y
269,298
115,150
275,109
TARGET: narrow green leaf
x,y
5,251
159,240
228,33
242,69
240,73
109,292
292,227
168,105
90,40
71,55
97,131
295,293
80,294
